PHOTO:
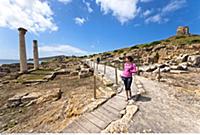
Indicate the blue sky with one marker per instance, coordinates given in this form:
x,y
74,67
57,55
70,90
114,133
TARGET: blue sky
x,y
79,27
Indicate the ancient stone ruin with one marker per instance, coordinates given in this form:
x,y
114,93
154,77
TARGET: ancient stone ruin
x,y
22,50
35,54
183,31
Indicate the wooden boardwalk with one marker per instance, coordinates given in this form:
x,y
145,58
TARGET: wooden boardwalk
x,y
99,119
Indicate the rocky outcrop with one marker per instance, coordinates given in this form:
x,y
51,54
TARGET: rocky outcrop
x,y
194,60
122,125
27,98
85,71
182,58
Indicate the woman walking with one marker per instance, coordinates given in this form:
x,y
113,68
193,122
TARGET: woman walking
x,y
129,70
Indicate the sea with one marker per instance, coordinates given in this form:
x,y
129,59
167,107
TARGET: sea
x,y
5,61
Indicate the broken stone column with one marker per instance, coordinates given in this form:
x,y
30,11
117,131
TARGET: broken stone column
x,y
35,55
22,50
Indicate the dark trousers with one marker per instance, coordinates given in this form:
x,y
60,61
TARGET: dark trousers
x,y
127,82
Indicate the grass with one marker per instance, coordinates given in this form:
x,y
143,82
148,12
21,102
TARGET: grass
x,y
35,75
42,72
28,77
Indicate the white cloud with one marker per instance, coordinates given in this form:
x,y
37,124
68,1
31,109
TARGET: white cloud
x,y
156,18
147,13
145,1
34,15
53,50
65,1
79,20
88,5
123,10
172,6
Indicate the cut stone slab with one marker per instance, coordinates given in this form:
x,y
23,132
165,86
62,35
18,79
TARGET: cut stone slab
x,y
17,97
50,77
178,71
75,73
34,81
30,96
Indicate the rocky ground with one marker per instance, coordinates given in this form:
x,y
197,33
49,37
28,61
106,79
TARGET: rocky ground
x,y
186,85
47,106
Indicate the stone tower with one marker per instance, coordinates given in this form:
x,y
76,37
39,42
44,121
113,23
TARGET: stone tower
x,y
183,31
22,50
35,55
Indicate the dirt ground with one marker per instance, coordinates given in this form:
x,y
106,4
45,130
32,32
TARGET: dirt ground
x,y
49,116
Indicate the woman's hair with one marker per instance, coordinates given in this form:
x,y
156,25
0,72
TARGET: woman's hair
x,y
129,58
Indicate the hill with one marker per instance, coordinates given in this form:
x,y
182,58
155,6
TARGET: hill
x,y
161,51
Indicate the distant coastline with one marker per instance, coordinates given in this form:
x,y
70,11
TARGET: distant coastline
x,y
8,61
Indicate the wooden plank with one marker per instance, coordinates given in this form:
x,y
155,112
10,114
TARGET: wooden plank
x,y
119,101
74,127
122,95
102,116
114,105
120,98
110,109
107,113
88,125
81,128
119,106
96,121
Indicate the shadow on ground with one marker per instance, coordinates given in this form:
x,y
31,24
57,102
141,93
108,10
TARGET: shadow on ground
x,y
141,98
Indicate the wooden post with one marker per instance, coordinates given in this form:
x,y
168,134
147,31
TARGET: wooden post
x,y
97,66
116,77
104,68
95,87
138,70
94,65
159,76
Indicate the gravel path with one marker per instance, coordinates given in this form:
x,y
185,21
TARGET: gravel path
x,y
159,111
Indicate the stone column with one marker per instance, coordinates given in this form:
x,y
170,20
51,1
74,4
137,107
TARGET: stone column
x,y
35,55
22,50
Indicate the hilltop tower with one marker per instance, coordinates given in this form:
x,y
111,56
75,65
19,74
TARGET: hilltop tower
x,y
183,31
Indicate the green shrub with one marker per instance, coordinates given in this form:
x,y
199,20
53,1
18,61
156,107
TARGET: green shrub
x,y
179,37
120,51
195,41
167,40
134,47
144,45
154,43
115,51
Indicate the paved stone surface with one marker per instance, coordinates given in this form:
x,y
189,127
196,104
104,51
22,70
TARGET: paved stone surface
x,y
159,111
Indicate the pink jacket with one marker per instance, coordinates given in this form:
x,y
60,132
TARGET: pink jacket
x,y
129,69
